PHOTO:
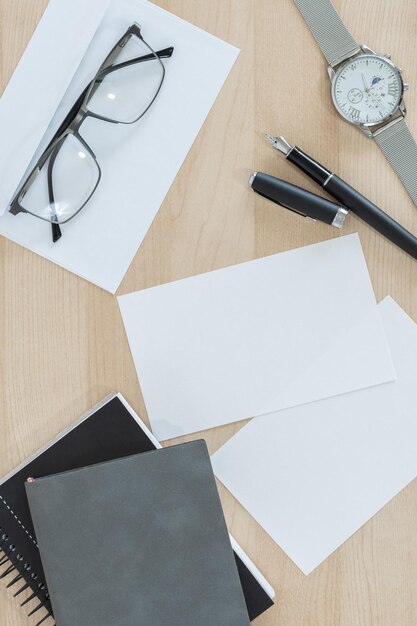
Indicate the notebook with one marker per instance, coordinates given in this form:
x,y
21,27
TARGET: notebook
x,y
140,539
110,430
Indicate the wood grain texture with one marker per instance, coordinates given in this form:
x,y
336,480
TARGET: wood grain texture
x,y
62,344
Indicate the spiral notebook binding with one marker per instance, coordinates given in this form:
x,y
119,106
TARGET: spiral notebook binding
x,y
10,561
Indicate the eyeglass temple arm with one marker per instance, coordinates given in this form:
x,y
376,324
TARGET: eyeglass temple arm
x,y
56,231
166,53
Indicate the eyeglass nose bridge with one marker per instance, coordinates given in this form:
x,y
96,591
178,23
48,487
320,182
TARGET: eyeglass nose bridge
x,y
78,120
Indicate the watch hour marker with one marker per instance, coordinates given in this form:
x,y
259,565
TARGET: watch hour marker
x,y
354,113
392,89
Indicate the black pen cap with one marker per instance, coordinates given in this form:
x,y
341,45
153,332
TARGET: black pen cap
x,y
299,200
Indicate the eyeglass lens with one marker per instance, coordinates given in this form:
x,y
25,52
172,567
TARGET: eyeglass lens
x,y
70,175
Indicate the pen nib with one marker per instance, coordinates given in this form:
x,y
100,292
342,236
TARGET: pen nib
x,y
279,143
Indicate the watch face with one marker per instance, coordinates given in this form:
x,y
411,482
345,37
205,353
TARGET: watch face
x,y
367,90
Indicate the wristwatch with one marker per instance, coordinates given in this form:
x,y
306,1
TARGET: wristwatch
x,y
367,89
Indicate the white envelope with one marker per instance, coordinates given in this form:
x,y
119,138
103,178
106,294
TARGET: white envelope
x,y
249,339
139,162
313,475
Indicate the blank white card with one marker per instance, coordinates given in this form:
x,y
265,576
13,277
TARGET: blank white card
x,y
256,337
313,475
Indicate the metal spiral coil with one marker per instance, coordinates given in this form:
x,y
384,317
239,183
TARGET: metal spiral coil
x,y
11,561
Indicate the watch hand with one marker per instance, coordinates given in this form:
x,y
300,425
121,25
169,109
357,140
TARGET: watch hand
x,y
379,103
364,83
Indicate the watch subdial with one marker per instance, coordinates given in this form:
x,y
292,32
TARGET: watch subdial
x,y
355,95
374,100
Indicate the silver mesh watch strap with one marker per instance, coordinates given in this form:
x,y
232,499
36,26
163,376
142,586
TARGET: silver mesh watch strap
x,y
400,148
328,30
337,45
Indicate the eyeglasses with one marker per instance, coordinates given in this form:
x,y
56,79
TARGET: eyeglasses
x,y
67,174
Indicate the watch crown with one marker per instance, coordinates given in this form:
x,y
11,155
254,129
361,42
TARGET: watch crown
x,y
406,86
387,56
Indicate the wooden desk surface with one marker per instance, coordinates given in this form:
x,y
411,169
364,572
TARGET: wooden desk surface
x,y
62,344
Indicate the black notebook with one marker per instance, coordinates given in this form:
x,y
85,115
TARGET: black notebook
x,y
138,540
109,431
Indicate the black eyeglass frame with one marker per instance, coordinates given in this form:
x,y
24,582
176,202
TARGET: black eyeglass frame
x,y
76,117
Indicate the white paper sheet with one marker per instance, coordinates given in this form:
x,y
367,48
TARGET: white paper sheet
x,y
256,337
139,162
313,475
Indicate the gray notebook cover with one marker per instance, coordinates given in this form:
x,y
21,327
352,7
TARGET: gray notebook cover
x,y
140,540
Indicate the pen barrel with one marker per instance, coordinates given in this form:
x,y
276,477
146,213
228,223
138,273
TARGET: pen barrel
x,y
298,200
372,215
312,168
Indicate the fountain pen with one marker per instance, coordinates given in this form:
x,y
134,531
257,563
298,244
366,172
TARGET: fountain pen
x,y
348,196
